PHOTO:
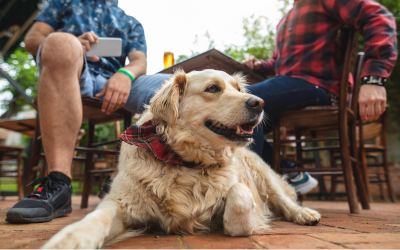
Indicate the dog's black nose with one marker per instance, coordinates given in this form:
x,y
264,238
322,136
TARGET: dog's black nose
x,y
255,103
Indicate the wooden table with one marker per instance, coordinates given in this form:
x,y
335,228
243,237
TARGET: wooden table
x,y
23,126
214,59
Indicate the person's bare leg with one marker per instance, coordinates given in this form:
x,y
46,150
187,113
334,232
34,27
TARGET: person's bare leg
x,y
59,100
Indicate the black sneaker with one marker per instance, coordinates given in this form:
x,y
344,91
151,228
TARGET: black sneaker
x,y
50,200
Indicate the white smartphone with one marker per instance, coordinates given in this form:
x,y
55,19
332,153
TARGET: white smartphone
x,y
107,47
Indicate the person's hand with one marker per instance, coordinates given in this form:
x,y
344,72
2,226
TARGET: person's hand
x,y
252,63
116,92
372,101
87,39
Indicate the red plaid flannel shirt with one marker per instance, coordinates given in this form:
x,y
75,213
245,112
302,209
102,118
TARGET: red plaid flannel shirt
x,y
145,136
305,40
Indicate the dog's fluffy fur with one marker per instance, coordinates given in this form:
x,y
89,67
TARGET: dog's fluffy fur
x,y
232,188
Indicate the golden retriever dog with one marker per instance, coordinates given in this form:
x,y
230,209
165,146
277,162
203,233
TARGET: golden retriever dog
x,y
207,119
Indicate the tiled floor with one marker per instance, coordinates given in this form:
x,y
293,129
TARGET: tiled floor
x,y
375,228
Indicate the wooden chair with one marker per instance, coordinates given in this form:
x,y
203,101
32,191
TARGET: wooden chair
x,y
12,155
377,152
93,115
377,131
341,119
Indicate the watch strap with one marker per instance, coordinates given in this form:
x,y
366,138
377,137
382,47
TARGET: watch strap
x,y
374,80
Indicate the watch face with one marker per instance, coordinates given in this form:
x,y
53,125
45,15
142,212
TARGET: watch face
x,y
375,79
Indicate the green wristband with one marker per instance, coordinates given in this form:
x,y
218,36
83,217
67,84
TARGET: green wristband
x,y
127,72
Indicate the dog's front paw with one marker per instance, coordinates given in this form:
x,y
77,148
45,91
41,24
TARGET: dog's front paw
x,y
75,236
307,216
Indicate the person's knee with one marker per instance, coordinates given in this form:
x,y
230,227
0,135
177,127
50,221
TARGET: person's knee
x,y
61,51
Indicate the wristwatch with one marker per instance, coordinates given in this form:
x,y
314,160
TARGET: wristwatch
x,y
374,80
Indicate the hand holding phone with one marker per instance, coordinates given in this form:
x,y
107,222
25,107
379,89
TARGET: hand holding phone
x,y
87,40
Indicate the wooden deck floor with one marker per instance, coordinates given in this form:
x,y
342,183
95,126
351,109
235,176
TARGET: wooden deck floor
x,y
375,228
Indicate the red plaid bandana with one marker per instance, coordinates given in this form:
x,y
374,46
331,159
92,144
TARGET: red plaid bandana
x,y
146,137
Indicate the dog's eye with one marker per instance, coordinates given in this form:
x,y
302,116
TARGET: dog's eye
x,y
213,89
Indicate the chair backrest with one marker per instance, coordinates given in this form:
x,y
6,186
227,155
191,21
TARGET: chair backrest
x,y
371,130
352,62
376,129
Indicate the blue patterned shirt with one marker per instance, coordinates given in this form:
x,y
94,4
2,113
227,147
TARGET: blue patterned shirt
x,y
104,18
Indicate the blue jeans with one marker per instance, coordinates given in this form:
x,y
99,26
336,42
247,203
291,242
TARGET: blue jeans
x,y
282,94
143,88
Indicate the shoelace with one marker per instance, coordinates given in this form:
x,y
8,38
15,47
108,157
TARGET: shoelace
x,y
47,185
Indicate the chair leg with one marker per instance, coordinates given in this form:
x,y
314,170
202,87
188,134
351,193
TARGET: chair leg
x,y
35,157
276,145
347,171
333,177
363,164
19,176
387,176
299,151
358,173
384,156
127,121
87,185
380,182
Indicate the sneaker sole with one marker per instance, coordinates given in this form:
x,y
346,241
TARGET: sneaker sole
x,y
306,187
16,217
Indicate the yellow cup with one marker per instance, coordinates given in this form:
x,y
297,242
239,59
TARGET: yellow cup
x,y
168,59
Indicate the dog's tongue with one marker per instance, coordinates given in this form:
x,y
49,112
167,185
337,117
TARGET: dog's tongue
x,y
246,129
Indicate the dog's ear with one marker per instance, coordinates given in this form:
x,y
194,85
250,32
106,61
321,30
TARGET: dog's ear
x,y
164,105
242,81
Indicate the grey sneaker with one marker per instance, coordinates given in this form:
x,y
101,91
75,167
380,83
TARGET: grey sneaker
x,y
303,183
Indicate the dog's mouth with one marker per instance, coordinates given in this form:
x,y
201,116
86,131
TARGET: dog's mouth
x,y
240,132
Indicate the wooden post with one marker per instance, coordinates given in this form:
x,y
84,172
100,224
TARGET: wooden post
x,y
19,175
35,156
88,166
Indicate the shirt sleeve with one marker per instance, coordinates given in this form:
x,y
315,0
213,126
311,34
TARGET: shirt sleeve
x,y
50,13
136,38
268,66
378,27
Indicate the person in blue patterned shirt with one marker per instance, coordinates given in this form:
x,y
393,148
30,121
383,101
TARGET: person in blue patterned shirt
x,y
60,36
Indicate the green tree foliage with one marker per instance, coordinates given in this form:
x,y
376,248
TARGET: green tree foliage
x,y
22,68
259,39
259,36
102,133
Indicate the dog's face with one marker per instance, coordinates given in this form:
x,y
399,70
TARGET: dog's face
x,y
211,105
